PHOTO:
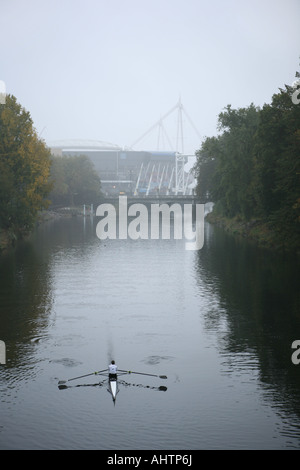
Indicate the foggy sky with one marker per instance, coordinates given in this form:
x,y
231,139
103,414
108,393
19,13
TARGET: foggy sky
x,y
107,70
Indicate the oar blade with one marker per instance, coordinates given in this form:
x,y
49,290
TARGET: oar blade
x,y
62,387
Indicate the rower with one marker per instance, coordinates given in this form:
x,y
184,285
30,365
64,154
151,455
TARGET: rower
x,y
112,370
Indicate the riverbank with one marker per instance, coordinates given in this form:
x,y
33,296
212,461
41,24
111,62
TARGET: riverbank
x,y
9,238
255,230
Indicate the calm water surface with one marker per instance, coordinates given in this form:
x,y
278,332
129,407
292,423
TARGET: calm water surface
x,y
219,322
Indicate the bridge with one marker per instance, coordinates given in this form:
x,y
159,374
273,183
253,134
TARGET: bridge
x,y
156,199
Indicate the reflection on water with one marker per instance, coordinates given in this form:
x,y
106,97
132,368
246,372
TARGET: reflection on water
x,y
219,322
258,296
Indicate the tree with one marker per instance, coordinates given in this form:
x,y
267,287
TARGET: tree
x,y
75,181
205,168
229,157
24,168
256,170
277,168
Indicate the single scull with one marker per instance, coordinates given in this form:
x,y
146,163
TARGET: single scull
x,y
113,387
112,380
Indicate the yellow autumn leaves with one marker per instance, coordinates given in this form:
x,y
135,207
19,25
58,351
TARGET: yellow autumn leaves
x,y
24,169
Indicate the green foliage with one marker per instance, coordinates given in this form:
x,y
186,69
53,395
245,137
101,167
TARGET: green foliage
x,y
277,165
251,170
205,168
229,159
75,181
24,169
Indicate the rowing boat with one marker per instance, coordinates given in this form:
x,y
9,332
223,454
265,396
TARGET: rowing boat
x,y
113,387
112,381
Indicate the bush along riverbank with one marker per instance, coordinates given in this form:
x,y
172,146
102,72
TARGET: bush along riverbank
x,y
256,231
9,238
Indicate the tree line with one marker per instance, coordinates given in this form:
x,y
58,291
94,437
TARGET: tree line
x,y
74,181
31,179
251,170
24,169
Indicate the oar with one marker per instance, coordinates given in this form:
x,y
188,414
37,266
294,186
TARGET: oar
x,y
64,387
143,373
81,376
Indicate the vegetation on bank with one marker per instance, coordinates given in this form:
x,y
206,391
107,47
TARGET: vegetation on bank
x,y
251,170
74,181
24,172
31,179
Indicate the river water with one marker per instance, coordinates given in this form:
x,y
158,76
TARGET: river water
x,y
219,322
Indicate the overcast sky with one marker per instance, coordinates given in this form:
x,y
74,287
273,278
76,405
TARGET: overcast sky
x,y
108,70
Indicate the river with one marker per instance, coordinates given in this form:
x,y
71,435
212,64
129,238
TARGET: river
x,y
219,322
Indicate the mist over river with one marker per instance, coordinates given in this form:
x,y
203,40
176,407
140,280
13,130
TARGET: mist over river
x,y
219,322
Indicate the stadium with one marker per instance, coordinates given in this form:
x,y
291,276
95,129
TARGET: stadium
x,y
132,172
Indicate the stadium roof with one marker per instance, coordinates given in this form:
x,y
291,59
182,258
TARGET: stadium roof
x,y
78,144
